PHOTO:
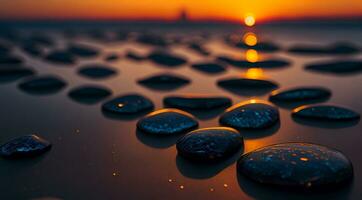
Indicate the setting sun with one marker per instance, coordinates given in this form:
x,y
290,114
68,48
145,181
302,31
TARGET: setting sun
x,y
249,20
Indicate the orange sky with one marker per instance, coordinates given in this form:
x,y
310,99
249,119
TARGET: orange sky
x,y
169,9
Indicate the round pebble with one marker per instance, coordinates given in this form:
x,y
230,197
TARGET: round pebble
x,y
209,68
336,49
134,56
167,122
300,94
24,146
61,57
128,104
297,165
82,50
325,113
210,144
14,73
250,115
96,71
165,81
247,86
42,85
199,102
166,59
10,60
337,67
89,94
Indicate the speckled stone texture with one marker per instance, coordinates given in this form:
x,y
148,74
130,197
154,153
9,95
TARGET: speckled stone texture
x,y
325,112
24,146
300,94
167,122
250,115
128,104
197,102
298,165
210,144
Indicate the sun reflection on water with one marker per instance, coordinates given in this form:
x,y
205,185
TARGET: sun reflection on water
x,y
251,55
250,39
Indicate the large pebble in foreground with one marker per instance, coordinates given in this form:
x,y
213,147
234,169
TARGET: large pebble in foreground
x,y
24,146
325,112
298,165
250,115
210,144
167,122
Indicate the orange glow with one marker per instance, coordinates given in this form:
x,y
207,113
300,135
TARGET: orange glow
x,y
170,10
249,20
254,73
304,159
250,39
252,55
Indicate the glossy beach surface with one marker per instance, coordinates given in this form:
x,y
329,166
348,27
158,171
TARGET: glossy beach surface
x,y
97,156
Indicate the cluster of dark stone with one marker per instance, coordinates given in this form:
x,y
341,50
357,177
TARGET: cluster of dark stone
x,y
298,165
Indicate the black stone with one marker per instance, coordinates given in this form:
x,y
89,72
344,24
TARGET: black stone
x,y
166,59
111,57
11,73
10,60
61,57
250,115
32,50
134,56
24,146
128,104
296,165
96,71
4,49
266,64
342,67
167,122
42,85
336,49
198,102
247,86
83,50
325,113
198,48
165,81
152,39
42,40
89,94
300,94
210,144
209,68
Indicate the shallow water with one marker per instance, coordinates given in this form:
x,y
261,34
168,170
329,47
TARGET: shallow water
x,y
98,157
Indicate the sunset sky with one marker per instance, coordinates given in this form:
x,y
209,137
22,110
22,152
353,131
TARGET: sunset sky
x,y
170,9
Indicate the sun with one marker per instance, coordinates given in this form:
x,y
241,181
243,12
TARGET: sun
x,y
249,20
